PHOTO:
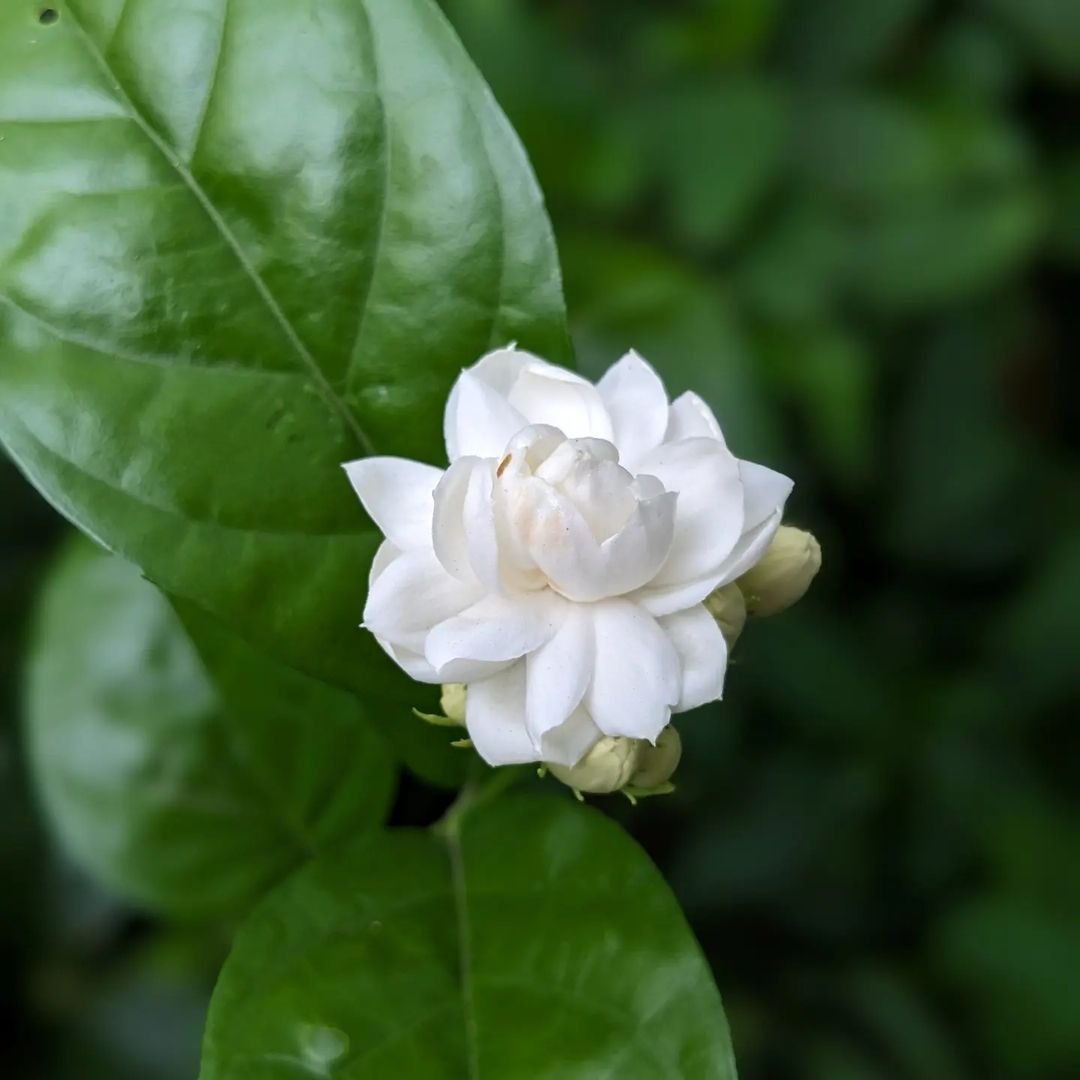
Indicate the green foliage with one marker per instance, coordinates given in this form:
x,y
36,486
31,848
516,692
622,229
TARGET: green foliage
x,y
719,149
849,225
525,939
188,777
835,38
230,264
1049,28
885,314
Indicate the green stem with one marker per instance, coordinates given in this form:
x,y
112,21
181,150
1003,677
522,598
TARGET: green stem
x,y
477,793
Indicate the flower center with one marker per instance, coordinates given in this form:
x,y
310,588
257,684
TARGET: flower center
x,y
569,516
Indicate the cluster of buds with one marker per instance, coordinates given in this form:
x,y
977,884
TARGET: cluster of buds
x,y
633,766
636,767
781,578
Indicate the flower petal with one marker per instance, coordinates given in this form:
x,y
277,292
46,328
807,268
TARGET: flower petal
x,y
384,556
558,674
632,557
496,628
689,417
411,594
702,654
501,367
551,395
764,492
448,531
637,404
571,740
709,519
636,678
397,495
495,718
667,599
749,550
463,531
555,535
543,393
481,537
412,663
479,421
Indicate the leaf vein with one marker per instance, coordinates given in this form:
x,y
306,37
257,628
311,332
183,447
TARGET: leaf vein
x,y
170,362
459,886
174,512
383,193
262,289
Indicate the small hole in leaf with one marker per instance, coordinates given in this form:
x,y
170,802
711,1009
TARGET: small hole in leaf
x,y
48,16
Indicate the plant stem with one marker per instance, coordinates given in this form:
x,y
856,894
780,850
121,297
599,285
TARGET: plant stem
x,y
476,793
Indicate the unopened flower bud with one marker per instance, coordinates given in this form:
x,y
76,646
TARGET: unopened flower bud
x,y
453,701
728,607
784,573
657,764
607,767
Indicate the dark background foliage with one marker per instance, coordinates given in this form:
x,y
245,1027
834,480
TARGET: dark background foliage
x,y
855,228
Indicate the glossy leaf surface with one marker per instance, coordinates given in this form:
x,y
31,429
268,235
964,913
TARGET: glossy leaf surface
x,y
535,942
189,781
241,242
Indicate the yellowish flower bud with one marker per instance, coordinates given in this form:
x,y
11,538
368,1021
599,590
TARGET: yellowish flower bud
x,y
728,607
657,764
784,573
453,701
607,767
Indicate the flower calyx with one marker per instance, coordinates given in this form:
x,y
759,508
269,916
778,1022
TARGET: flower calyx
x,y
452,703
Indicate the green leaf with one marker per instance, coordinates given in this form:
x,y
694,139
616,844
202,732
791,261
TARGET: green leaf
x,y
1050,28
189,784
537,941
830,38
938,252
1033,639
139,1016
244,241
968,497
830,376
721,151
874,151
1014,961
937,200
795,268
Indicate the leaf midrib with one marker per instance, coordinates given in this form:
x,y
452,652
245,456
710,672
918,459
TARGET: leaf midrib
x,y
451,835
218,221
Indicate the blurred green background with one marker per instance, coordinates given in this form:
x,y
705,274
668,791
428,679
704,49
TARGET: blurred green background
x,y
853,226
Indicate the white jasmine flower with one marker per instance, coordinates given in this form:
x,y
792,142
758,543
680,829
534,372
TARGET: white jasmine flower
x,y
559,566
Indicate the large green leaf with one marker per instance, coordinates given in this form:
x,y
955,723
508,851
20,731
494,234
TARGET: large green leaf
x,y
242,241
534,941
188,782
